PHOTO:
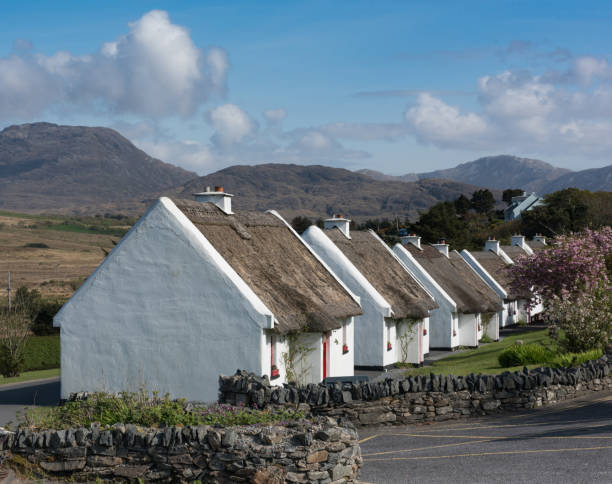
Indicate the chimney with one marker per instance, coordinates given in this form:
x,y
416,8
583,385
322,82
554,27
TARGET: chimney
x,y
519,241
413,239
218,197
442,247
492,245
540,238
339,221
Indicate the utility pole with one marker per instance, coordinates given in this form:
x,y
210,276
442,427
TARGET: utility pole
x,y
9,291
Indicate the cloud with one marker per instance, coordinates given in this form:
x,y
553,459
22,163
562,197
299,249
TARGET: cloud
x,y
231,124
274,116
412,93
154,70
564,113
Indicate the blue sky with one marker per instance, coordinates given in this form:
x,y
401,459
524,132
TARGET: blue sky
x,y
395,86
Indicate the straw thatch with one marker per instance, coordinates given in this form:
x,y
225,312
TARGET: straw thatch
x,y
461,283
537,245
302,294
513,251
497,267
387,274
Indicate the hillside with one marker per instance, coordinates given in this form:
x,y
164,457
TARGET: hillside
x,y
78,169
498,172
595,179
317,191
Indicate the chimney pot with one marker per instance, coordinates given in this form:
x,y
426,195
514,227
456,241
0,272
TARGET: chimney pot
x,y
219,189
442,247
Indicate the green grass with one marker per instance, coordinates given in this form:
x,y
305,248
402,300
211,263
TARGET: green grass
x,y
42,353
30,375
484,359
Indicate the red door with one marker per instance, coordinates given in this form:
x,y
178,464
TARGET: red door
x,y
325,344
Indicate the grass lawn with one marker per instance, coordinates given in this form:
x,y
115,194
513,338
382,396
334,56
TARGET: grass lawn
x,y
30,375
483,359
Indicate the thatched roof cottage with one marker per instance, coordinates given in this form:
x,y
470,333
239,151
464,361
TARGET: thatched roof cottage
x,y
462,296
394,326
195,290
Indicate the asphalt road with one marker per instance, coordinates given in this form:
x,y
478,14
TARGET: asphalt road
x,y
15,397
567,443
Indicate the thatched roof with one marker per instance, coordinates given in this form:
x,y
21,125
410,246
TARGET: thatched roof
x,y
387,274
513,251
497,267
277,266
460,282
537,245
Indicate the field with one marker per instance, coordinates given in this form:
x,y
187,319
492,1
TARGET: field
x,y
54,254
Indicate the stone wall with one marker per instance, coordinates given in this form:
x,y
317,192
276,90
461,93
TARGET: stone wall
x,y
424,398
318,451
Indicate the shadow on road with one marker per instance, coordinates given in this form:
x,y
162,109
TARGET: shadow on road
x,y
45,394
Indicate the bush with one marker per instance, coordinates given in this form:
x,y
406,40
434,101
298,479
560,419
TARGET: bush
x,y
529,354
570,360
36,245
141,409
11,363
42,353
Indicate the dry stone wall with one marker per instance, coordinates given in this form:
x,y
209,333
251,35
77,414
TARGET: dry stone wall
x,y
423,398
318,451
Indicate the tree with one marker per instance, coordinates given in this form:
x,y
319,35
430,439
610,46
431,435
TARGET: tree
x,y
462,204
509,193
441,222
562,212
572,277
300,224
14,333
482,201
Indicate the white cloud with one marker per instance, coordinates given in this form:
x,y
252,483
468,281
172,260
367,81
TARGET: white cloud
x,y
154,70
231,124
274,116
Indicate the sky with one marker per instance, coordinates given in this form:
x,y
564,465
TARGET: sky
x,y
399,87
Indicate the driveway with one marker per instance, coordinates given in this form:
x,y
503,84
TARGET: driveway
x,y
15,397
567,443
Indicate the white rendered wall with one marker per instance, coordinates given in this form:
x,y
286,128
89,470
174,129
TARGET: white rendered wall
x,y
163,311
281,347
480,328
441,320
389,335
370,326
342,364
468,330
425,336
414,342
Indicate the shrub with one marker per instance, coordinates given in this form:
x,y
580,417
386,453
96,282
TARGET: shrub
x,y
529,354
42,353
569,360
36,245
142,409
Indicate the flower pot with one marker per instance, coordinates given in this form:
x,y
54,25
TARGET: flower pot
x,y
345,349
274,372
389,347
454,332
424,332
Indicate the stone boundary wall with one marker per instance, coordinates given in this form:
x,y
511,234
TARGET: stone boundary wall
x,y
423,398
318,451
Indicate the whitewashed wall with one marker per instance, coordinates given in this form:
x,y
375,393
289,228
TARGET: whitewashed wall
x,y
468,330
369,328
441,320
163,311
342,364
425,336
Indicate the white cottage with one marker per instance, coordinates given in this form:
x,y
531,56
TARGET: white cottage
x,y
195,290
520,248
394,326
491,265
461,295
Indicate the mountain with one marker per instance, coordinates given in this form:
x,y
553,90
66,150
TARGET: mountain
x,y
378,175
46,167
595,179
317,191
499,172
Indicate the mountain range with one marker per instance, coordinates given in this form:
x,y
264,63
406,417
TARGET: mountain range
x,y
87,170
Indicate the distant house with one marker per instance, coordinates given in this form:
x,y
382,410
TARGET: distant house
x,y
195,290
394,326
520,204
461,295
491,265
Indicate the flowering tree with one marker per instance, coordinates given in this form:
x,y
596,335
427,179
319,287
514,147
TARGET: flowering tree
x,y
572,277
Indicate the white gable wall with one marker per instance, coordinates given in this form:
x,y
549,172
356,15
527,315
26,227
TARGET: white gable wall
x,y
164,311
442,321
